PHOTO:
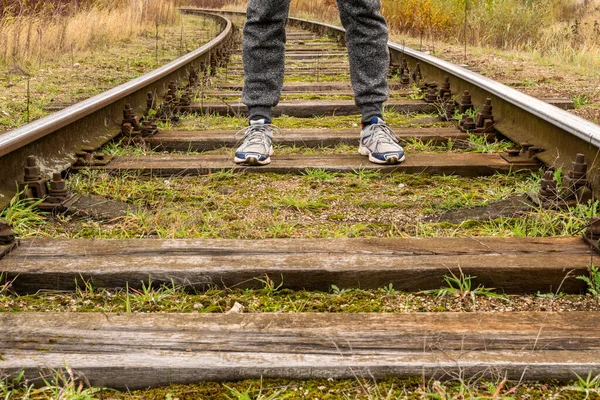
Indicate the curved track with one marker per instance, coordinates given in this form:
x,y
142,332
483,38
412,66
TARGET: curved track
x,y
55,139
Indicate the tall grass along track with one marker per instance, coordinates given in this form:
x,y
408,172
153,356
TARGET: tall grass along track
x,y
171,216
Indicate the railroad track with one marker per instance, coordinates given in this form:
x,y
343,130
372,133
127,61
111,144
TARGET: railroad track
x,y
140,350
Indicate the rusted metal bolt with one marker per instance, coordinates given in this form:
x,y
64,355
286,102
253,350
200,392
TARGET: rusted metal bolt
x,y
466,103
185,100
467,123
432,96
57,186
405,78
485,113
513,152
533,150
148,128
128,112
578,168
150,100
548,186
404,64
32,170
445,88
525,148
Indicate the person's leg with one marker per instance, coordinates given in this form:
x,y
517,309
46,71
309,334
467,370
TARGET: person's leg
x,y
263,53
366,38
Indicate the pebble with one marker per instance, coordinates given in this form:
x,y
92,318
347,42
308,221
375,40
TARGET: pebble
x,y
76,65
236,309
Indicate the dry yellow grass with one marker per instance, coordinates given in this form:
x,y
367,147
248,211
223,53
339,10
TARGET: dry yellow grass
x,y
39,36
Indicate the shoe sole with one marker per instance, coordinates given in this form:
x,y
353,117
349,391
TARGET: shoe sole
x,y
364,151
253,160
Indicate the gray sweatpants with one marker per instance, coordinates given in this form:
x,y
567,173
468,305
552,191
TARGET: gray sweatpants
x,y
264,50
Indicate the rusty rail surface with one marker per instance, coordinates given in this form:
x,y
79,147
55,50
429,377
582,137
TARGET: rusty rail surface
x,y
521,118
55,139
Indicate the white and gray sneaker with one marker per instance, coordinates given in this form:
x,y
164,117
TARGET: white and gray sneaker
x,y
380,143
257,147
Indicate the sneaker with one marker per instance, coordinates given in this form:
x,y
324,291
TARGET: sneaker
x,y
257,148
380,143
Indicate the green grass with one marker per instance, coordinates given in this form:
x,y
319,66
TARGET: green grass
x,y
216,122
593,281
270,295
461,286
23,216
318,204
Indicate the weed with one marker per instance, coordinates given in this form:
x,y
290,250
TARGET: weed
x,y
250,393
337,291
461,286
480,144
587,385
299,205
580,101
269,285
390,289
593,280
23,216
318,174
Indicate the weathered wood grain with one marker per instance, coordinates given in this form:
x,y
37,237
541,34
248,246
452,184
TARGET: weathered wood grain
x,y
512,265
464,164
131,351
308,109
308,86
209,140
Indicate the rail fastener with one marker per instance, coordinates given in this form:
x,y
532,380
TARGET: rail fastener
x,y
48,195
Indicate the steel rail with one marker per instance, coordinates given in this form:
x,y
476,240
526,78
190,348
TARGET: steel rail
x,y
55,139
519,117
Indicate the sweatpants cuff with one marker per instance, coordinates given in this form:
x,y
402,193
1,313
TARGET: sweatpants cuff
x,y
371,110
259,112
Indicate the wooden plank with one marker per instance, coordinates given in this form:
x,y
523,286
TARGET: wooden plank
x,y
310,108
562,103
295,73
7,248
511,265
133,351
223,94
464,164
308,86
209,140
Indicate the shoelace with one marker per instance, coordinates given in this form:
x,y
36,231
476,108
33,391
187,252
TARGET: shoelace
x,y
383,134
257,134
